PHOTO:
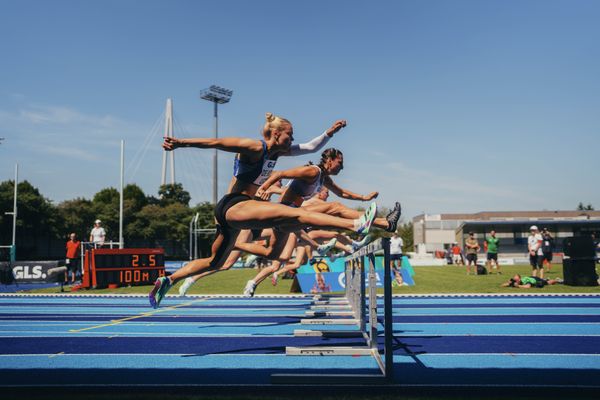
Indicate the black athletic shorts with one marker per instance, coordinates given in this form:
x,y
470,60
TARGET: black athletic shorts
x,y
226,202
536,261
547,257
492,256
73,265
229,234
539,282
472,257
396,257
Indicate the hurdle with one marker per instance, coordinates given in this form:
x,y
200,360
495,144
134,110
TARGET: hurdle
x,y
359,303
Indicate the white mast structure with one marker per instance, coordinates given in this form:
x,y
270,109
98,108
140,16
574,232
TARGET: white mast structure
x,y
170,154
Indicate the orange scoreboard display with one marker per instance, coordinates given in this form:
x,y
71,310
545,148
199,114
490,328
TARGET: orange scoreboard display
x,y
122,267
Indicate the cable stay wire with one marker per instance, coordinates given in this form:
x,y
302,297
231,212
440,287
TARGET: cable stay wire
x,y
194,168
141,152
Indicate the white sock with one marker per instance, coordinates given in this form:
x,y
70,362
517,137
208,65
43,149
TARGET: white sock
x,y
356,224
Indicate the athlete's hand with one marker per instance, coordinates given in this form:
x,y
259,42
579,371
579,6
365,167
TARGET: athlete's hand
x,y
371,196
262,194
337,125
171,143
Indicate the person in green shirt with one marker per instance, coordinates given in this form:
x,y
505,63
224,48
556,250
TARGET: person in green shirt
x,y
527,282
492,243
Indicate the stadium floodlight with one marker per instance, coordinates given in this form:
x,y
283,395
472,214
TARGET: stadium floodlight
x,y
216,95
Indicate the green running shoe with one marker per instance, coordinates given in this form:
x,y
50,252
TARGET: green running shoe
x,y
161,287
366,220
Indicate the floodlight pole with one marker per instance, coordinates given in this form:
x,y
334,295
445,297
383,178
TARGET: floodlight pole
x,y
216,156
216,95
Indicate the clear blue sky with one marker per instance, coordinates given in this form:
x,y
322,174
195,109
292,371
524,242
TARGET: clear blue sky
x,y
452,106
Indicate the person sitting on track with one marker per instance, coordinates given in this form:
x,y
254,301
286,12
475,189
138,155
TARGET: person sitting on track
x,y
527,282
238,210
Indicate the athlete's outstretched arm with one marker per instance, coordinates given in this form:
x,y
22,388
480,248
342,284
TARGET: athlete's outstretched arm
x,y
317,143
346,194
230,144
308,173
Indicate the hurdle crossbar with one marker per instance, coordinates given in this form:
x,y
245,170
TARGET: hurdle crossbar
x,y
360,288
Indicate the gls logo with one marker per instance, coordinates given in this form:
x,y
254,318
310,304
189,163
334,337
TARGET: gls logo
x,y
23,272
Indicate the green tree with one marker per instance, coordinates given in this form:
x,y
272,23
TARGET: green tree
x,y
173,193
156,225
581,207
105,205
38,221
206,217
77,216
405,231
134,198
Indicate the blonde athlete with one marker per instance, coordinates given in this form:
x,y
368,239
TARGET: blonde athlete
x,y
238,210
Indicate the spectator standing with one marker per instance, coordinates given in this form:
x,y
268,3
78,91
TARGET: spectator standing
x,y
547,248
492,243
457,257
472,247
98,234
396,244
536,256
72,258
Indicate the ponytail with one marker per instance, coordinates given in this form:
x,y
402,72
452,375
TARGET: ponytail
x,y
272,123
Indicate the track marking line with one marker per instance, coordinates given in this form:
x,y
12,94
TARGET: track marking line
x,y
142,315
57,354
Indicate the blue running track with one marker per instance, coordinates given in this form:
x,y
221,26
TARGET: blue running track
x,y
531,341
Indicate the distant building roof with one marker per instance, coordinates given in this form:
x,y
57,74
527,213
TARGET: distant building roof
x,y
513,215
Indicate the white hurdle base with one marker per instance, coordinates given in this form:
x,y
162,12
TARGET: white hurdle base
x,y
325,307
329,313
333,321
331,334
328,351
341,302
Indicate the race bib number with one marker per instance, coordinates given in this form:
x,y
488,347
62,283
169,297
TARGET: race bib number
x,y
267,169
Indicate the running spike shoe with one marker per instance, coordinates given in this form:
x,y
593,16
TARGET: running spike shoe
x,y
161,287
326,247
393,217
366,220
187,284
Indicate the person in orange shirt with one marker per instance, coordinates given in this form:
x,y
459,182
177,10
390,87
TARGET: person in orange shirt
x,y
73,247
457,258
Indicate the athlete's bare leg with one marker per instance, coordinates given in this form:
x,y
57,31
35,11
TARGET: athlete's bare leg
x,y
302,254
339,210
265,272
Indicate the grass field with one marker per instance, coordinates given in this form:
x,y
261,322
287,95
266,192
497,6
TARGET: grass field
x,y
445,279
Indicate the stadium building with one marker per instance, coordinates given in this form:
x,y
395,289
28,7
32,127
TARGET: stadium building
x,y
436,232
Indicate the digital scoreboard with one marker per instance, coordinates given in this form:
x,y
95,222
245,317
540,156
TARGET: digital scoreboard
x,y
123,267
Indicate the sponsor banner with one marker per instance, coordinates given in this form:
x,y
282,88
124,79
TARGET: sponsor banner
x,y
33,271
326,282
325,264
321,283
311,282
